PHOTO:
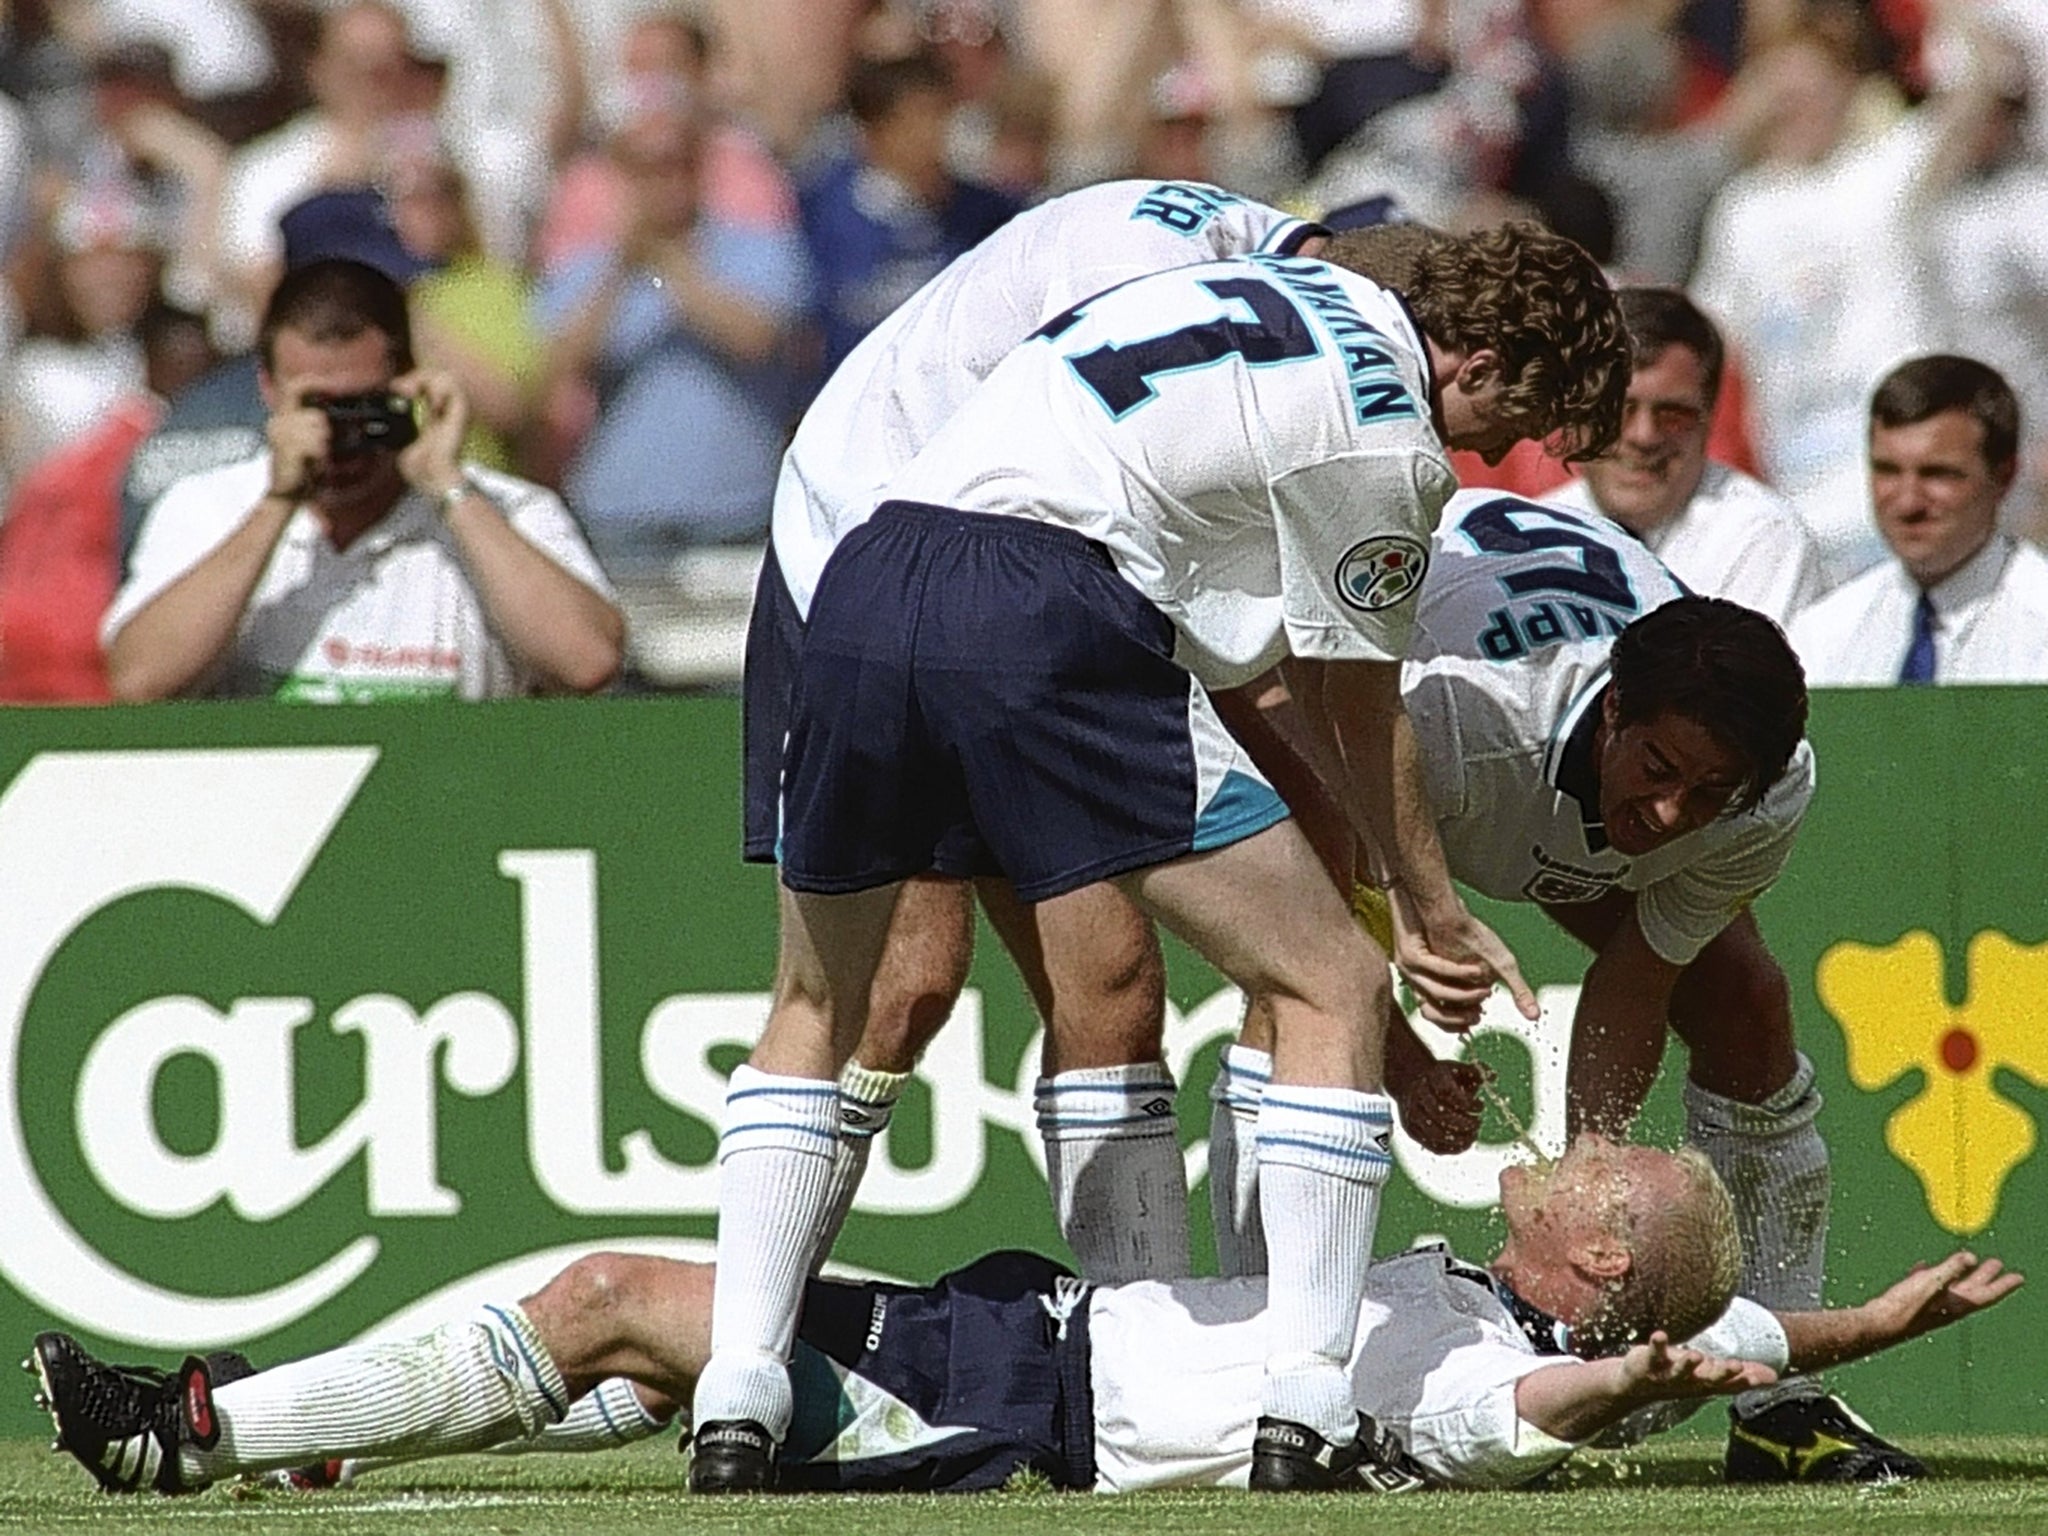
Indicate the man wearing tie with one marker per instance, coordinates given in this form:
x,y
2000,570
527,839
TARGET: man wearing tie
x,y
1959,602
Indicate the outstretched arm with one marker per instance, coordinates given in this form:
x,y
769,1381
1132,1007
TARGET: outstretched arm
x,y
1576,1401
1930,1297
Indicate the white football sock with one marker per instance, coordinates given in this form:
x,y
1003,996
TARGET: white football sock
x,y
606,1417
1324,1155
464,1387
1772,1159
1233,1160
1119,1184
866,1101
775,1181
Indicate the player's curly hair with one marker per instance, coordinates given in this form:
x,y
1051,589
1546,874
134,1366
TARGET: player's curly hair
x,y
1725,667
1686,1261
1545,306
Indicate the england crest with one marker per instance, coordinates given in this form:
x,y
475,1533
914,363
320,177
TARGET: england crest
x,y
1382,571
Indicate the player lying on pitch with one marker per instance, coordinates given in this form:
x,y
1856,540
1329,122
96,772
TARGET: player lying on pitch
x,y
1463,1376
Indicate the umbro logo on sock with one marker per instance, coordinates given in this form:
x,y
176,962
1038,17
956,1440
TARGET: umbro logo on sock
x,y
1158,1109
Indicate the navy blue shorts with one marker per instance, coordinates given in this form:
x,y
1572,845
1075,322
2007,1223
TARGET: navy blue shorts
x,y
775,643
991,678
951,1388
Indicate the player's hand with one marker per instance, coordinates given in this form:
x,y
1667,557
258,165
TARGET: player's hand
x,y
1440,1108
298,436
433,462
1933,1296
1660,1370
1452,960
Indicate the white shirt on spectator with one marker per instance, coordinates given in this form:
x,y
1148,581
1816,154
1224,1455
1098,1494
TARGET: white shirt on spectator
x,y
1736,538
1991,622
395,615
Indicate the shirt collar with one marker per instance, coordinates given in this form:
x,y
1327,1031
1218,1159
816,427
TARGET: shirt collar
x,y
1546,1334
1418,341
411,518
1571,766
1971,582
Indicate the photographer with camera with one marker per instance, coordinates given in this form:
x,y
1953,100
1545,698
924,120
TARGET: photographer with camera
x,y
357,558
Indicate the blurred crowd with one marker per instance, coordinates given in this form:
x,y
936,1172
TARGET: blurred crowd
x,y
640,231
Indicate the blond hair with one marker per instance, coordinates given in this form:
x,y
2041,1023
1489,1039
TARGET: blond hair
x,y
1544,305
1686,1261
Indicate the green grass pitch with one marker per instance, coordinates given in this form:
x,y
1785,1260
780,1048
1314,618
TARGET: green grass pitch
x,y
1985,1486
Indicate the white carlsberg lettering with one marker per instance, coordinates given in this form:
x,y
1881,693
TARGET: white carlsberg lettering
x,y
80,831
255,1163
565,1136
1472,1179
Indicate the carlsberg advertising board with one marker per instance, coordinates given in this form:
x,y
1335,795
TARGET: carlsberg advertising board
x,y
325,1022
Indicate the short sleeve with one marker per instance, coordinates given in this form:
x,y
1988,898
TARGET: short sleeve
x,y
1354,539
540,517
1683,912
1465,1428
192,518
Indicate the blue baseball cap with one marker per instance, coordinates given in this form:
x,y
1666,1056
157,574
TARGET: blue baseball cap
x,y
353,223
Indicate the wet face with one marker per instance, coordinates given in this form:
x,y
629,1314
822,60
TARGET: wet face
x,y
1654,469
1580,1192
1587,1194
1661,778
362,487
1936,496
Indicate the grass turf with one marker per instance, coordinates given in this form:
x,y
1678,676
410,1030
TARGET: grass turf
x,y
1985,1485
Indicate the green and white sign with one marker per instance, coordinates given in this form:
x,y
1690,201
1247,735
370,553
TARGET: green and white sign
x,y
322,1021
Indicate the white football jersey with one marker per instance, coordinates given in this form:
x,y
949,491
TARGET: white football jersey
x,y
1177,1368
1509,661
1250,440
911,372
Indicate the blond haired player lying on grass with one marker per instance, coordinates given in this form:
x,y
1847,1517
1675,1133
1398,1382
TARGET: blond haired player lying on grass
x,y
1462,1376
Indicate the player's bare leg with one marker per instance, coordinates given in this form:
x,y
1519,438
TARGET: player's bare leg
x,y
1105,1101
1263,911
627,1315
923,966
776,1155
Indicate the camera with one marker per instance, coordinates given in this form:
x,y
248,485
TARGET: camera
x,y
376,422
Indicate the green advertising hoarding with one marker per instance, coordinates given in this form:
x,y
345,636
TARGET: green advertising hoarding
x,y
326,1021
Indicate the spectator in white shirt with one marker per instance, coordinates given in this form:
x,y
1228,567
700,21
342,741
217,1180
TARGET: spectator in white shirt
x,y
1719,531
1959,602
